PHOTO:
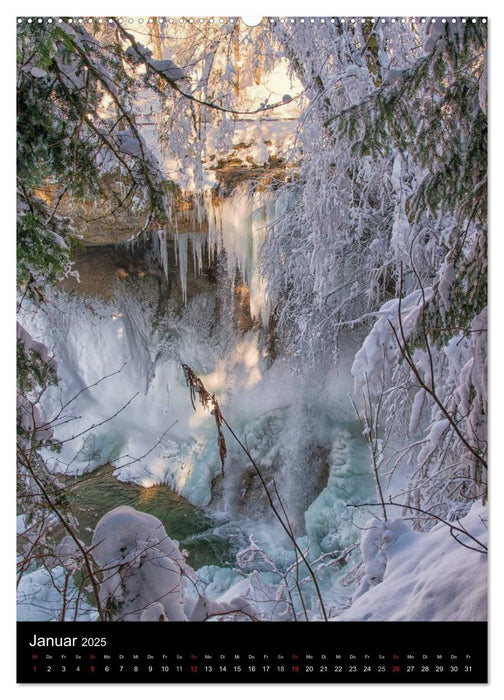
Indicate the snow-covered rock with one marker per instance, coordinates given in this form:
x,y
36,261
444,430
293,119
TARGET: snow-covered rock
x,y
140,565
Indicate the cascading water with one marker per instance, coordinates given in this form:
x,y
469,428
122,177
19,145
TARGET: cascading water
x,y
120,362
236,227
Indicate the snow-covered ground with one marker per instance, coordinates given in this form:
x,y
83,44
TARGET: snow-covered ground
x,y
434,576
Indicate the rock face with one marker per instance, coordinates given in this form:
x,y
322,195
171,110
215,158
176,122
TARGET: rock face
x,y
97,222
105,270
108,270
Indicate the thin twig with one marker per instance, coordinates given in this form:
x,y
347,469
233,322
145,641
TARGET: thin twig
x,y
460,529
209,402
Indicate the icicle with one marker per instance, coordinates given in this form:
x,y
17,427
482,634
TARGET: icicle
x,y
197,244
175,238
182,241
159,238
237,225
257,286
197,240
211,212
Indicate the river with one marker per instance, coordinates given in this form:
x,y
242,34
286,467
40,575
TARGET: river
x,y
94,494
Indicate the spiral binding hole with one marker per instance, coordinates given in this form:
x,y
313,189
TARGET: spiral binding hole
x,y
249,21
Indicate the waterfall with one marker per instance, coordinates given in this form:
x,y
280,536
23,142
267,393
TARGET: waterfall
x,y
236,226
239,228
119,365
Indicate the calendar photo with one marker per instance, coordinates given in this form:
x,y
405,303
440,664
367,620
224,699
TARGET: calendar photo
x,y
252,349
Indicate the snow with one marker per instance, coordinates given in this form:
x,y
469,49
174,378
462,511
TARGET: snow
x,y
142,564
32,345
141,365
447,274
261,599
373,547
168,68
39,597
154,612
380,349
416,411
229,607
423,576
147,578
32,420
267,406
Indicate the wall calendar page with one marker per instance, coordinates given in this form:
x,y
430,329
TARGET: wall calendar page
x,y
252,349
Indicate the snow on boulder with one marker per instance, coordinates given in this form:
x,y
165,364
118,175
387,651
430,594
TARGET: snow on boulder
x,y
206,609
140,566
256,598
427,576
153,613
